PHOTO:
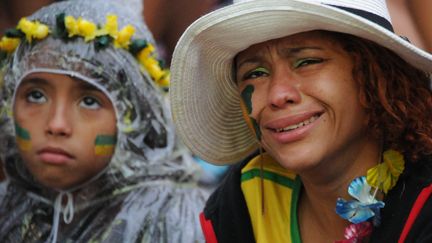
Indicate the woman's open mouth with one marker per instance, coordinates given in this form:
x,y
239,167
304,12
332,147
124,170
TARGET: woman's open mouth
x,y
293,128
298,125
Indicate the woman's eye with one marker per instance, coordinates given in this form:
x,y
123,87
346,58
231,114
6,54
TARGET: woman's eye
x,y
36,96
256,73
90,103
307,61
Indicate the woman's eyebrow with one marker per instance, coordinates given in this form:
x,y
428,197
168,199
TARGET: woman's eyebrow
x,y
292,51
284,52
249,60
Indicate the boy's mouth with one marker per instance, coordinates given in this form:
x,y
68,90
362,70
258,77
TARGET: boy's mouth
x,y
56,156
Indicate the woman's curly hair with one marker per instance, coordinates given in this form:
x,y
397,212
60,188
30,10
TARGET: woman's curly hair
x,y
397,96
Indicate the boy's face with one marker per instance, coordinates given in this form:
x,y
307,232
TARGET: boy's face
x,y
65,129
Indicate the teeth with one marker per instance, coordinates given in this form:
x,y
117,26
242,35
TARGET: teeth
x,y
295,126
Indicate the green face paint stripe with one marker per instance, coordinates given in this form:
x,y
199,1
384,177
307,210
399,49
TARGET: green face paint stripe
x,y
105,140
21,132
246,95
257,129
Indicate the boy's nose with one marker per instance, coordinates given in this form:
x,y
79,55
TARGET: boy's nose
x,y
59,123
283,90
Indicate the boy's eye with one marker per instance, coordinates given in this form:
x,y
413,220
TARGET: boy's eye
x,y
256,73
307,61
36,96
89,102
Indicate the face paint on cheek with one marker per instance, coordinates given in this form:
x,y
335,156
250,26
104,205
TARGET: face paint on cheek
x,y
23,138
257,129
246,95
105,144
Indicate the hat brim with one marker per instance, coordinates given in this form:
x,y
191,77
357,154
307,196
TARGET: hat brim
x,y
204,98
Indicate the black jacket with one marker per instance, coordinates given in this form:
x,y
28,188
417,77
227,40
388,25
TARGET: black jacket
x,y
227,211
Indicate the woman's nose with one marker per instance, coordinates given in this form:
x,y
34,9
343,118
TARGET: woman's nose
x,y
283,90
59,123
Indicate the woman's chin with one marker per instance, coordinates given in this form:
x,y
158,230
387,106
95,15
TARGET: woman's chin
x,y
296,164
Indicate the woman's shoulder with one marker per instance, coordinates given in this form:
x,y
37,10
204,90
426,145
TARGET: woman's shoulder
x,y
226,208
229,189
408,206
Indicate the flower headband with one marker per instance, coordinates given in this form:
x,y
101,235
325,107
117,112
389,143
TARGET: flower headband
x,y
68,27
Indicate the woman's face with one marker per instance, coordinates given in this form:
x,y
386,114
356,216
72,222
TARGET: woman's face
x,y
65,129
302,99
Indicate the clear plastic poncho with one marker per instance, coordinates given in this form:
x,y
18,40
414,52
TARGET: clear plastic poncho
x,y
147,193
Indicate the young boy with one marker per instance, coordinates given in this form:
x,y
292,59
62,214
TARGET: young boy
x,y
85,136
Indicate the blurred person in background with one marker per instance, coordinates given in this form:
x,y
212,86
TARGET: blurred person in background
x,y
168,19
412,20
420,10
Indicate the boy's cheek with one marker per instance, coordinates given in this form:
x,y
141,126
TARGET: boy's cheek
x,y
105,145
23,138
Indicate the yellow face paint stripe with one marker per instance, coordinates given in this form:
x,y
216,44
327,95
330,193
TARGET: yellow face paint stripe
x,y
105,145
104,150
23,138
23,144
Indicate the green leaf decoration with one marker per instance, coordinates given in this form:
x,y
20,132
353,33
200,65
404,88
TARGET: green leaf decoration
x,y
60,30
137,45
161,63
3,57
14,33
103,42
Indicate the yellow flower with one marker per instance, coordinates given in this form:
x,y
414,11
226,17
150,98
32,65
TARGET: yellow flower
x,y
71,26
385,175
86,29
27,27
9,44
111,26
164,82
32,29
145,53
41,31
124,36
153,67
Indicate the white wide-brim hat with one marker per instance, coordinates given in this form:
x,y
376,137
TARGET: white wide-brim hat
x,y
205,101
